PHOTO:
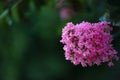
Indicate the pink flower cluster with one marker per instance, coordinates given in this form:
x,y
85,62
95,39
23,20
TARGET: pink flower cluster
x,y
88,43
66,13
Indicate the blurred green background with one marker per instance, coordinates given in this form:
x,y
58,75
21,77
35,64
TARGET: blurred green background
x,y
30,31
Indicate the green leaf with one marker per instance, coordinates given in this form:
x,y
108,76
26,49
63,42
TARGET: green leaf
x,y
15,14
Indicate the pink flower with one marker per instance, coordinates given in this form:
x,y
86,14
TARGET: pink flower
x,y
88,43
66,13
110,64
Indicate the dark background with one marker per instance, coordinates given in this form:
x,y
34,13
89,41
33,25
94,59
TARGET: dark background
x,y
30,33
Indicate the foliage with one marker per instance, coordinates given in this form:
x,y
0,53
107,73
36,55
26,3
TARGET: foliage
x,y
30,31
